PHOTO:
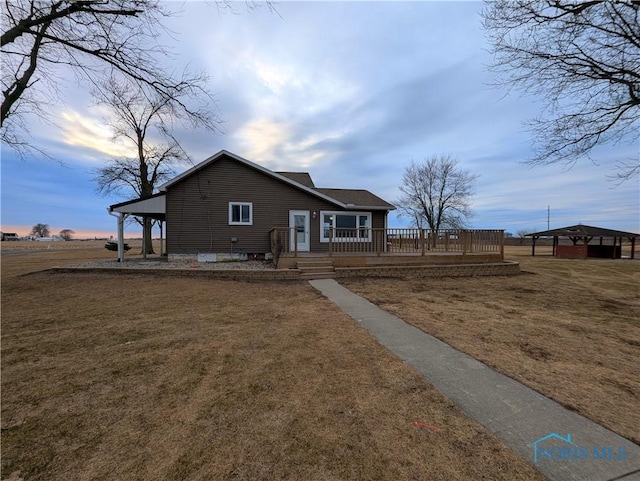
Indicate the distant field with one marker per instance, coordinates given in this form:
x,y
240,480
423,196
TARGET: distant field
x,y
122,377
21,257
57,245
568,328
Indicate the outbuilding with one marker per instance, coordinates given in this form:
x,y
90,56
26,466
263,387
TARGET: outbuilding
x,y
586,241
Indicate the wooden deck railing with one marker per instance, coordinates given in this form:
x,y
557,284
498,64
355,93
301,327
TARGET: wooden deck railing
x,y
394,241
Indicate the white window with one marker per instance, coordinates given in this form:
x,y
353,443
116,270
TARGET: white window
x,y
345,226
240,213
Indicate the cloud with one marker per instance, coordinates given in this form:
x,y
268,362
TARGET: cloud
x,y
92,135
352,92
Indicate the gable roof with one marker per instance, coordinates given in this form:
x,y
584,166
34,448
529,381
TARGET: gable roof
x,y
300,177
357,197
581,230
345,198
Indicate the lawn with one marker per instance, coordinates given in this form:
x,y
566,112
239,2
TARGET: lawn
x,y
568,328
140,378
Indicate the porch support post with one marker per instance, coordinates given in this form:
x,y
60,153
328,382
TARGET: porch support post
x,y
121,218
502,244
533,246
422,241
330,241
295,242
161,250
633,247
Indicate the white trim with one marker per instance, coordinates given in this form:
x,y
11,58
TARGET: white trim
x,y
241,204
369,216
302,247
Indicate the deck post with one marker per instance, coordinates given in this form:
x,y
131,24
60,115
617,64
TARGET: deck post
x,y
422,241
502,244
463,235
330,241
633,248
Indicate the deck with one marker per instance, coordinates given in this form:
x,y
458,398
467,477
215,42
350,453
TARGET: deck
x,y
398,247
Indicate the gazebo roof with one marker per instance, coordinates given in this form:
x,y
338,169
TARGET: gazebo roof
x,y
582,230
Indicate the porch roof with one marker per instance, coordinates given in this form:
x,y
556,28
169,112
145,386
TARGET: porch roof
x,y
581,230
154,206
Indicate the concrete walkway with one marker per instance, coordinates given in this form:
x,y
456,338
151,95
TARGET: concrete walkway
x,y
519,416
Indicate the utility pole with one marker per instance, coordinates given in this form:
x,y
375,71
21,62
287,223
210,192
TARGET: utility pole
x,y
548,216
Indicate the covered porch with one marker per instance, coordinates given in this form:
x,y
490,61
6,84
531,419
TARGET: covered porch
x,y
152,207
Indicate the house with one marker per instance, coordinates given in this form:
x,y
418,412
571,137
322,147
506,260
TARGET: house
x,y
227,205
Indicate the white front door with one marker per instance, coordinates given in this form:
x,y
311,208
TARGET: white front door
x,y
299,230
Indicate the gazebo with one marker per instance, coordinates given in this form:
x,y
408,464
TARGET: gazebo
x,y
581,236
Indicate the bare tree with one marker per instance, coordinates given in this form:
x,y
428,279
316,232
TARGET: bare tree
x,y
40,230
436,193
66,234
146,120
88,36
583,58
522,233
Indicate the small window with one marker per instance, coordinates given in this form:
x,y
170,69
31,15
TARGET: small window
x,y
240,213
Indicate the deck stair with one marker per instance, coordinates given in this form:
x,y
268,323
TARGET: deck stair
x,y
316,269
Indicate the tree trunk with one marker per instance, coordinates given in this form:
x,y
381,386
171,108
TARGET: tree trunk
x,y
434,239
146,236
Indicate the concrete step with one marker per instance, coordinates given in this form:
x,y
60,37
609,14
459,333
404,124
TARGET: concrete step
x,y
316,275
303,264
315,268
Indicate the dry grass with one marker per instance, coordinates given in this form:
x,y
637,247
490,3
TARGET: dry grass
x,y
131,377
568,328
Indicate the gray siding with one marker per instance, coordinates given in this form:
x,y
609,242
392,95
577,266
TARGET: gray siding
x,y
197,210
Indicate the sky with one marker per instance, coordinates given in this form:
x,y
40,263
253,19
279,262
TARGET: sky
x,y
351,92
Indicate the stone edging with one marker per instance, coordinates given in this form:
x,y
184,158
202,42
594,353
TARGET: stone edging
x,y
506,268
235,274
